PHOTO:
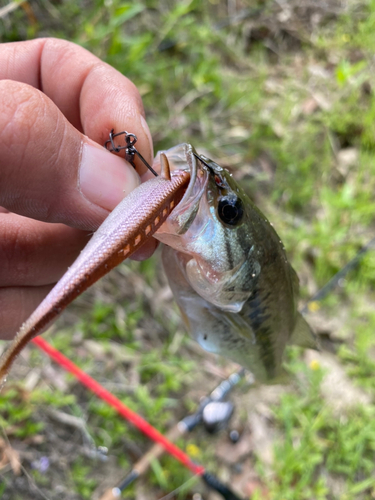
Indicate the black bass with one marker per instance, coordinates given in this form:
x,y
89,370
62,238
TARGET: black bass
x,y
228,270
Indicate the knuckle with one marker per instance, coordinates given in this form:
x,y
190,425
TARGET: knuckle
x,y
15,251
22,107
57,44
59,56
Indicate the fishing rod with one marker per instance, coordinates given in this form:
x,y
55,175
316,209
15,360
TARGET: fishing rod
x,y
211,481
212,411
335,280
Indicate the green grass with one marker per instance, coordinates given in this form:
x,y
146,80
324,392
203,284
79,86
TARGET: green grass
x,y
241,92
318,446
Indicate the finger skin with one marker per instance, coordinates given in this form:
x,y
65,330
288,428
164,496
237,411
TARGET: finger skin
x,y
94,97
34,253
40,158
16,305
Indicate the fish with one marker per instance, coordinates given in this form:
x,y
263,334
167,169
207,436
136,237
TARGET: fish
x,y
228,270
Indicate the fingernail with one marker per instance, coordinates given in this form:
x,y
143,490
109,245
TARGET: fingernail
x,y
104,178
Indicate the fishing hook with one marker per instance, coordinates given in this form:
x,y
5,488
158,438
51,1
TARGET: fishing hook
x,y
211,170
220,182
130,150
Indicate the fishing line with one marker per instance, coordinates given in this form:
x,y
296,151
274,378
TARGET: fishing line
x,y
204,163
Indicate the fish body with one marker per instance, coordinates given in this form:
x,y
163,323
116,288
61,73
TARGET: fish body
x,y
228,270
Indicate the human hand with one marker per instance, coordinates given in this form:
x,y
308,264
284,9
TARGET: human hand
x,y
59,103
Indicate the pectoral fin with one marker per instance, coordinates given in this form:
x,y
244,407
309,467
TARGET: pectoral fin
x,y
302,334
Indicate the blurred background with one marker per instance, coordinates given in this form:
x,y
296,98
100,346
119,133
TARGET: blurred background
x,y
282,94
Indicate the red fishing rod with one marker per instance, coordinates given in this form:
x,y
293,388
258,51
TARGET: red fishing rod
x,y
139,422
213,411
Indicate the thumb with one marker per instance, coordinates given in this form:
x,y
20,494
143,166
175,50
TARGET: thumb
x,y
50,171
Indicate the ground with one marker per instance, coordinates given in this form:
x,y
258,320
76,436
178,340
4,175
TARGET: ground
x,y
282,94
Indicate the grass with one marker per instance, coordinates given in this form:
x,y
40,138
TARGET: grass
x,y
285,98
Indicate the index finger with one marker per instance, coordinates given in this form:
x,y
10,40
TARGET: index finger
x,y
93,96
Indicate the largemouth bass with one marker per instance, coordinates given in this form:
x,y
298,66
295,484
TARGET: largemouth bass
x,y
228,270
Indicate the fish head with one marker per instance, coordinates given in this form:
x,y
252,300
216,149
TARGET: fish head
x,y
212,228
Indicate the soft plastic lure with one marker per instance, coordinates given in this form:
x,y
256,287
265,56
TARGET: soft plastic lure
x,y
130,224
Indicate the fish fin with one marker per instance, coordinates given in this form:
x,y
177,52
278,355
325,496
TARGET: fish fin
x,y
295,281
302,334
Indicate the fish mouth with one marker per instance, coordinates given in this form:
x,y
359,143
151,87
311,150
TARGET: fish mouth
x,y
191,161
183,157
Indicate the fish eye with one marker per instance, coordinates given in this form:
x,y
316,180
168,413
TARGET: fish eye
x,y
230,210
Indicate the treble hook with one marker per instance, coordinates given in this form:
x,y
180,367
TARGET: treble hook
x,y
130,150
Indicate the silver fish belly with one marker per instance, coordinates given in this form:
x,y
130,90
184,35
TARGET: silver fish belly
x,y
228,270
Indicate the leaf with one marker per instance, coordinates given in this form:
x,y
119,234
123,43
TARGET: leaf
x,y
125,12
